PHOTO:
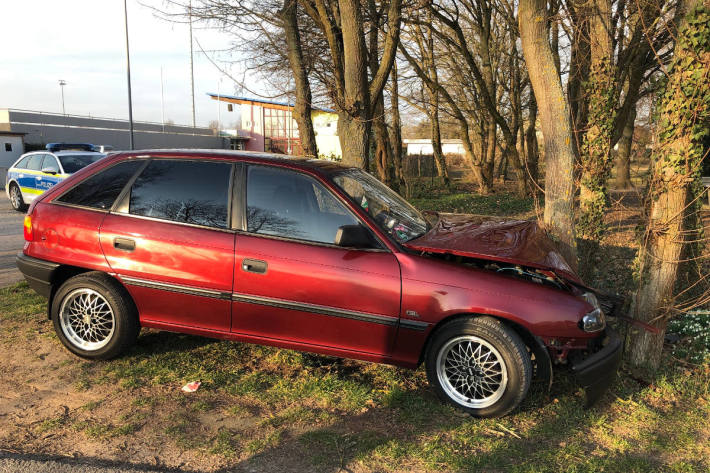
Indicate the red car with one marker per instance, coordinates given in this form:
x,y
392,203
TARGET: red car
x,y
309,255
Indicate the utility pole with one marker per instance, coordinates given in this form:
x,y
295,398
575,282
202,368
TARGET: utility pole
x,y
162,100
62,83
192,70
128,74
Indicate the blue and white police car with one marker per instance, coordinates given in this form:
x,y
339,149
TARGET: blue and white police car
x,y
37,171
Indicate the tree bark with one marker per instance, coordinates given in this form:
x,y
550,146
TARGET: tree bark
x,y
396,131
683,131
623,153
531,145
596,148
302,108
556,127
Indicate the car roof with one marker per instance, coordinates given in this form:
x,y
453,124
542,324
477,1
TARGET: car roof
x,y
65,152
297,162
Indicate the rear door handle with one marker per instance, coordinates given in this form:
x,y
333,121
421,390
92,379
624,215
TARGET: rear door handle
x,y
254,265
124,244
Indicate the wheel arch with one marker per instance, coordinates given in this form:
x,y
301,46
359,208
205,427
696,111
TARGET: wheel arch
x,y
65,272
534,344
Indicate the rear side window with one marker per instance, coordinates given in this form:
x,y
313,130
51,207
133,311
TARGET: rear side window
x,y
22,163
101,190
183,191
35,162
291,205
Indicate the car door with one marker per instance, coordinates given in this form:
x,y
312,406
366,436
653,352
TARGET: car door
x,y
292,283
168,238
50,173
30,177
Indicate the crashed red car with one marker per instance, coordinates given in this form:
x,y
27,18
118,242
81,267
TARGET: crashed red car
x,y
312,256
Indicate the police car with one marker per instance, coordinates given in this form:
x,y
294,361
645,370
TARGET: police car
x,y
37,171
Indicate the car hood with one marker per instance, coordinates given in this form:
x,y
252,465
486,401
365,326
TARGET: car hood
x,y
520,242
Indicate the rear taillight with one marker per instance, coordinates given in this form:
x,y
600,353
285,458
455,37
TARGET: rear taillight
x,y
28,228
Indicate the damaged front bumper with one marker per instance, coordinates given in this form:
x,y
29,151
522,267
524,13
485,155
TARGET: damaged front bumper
x,y
596,372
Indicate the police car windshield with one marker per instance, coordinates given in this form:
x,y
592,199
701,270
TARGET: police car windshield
x,y
73,162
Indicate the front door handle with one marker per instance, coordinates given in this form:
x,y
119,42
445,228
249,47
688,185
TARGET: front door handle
x,y
124,244
254,265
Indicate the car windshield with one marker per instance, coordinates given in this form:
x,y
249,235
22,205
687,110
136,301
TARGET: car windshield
x,y
71,163
392,213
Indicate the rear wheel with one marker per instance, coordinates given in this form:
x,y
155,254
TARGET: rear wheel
x,y
16,199
94,316
479,365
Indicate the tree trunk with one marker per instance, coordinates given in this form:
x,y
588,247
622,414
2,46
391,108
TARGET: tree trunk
x,y
556,127
623,154
682,134
354,117
531,146
302,108
434,113
578,70
396,132
596,146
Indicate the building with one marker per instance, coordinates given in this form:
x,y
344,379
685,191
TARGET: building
x,y
425,147
269,126
12,146
41,128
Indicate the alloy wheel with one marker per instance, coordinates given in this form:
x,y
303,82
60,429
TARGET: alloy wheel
x,y
86,319
471,371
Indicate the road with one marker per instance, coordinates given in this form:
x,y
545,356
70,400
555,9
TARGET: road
x,y
11,241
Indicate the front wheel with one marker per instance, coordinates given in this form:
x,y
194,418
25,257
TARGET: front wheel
x,y
16,200
94,316
479,365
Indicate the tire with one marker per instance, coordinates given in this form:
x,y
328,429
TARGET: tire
x,y
479,365
16,200
94,316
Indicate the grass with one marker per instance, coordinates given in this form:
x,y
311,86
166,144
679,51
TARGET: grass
x,y
461,199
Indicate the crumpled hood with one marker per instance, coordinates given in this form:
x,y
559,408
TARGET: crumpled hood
x,y
491,238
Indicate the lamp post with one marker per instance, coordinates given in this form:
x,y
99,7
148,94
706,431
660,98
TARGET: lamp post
x,y
128,74
62,83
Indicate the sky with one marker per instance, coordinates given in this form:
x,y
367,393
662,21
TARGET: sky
x,y
83,42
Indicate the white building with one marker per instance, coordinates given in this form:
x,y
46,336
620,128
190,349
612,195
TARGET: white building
x,y
11,147
426,147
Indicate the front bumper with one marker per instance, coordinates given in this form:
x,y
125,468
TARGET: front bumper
x,y
596,372
37,272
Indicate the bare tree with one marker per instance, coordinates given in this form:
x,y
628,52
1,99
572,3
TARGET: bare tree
x,y
556,127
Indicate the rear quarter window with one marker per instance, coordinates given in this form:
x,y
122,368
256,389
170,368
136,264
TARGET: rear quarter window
x,y
101,190
22,163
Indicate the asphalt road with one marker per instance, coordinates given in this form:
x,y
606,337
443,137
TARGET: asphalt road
x,y
11,241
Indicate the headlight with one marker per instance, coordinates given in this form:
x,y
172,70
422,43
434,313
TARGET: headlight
x,y
594,321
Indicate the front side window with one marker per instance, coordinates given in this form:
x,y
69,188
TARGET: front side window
x,y
291,205
73,162
101,190
391,213
50,163
183,191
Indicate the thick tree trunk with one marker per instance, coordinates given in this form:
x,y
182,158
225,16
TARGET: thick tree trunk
x,y
623,154
354,117
302,108
578,70
596,148
556,127
682,132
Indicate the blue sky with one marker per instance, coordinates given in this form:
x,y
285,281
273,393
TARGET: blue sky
x,y
83,42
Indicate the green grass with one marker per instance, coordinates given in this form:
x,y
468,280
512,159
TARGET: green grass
x,y
463,201
322,413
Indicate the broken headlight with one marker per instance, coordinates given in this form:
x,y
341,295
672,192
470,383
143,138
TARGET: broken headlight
x,y
593,321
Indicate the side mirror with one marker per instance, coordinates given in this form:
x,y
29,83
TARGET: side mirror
x,y
354,236
50,170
